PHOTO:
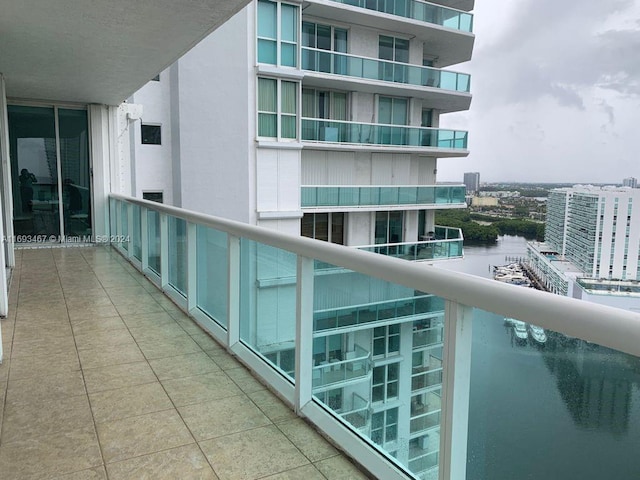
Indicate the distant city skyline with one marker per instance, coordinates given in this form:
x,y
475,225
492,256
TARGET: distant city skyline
x,y
556,90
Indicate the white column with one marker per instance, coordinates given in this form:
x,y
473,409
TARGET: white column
x,y
192,266
100,168
455,391
164,251
304,333
7,196
233,283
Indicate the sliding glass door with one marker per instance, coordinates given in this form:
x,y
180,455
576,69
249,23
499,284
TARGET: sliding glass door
x,y
49,152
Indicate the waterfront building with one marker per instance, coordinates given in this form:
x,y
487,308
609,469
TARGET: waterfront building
x,y
592,244
328,126
472,182
630,182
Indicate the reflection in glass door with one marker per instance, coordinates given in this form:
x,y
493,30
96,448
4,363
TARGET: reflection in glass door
x,y
46,145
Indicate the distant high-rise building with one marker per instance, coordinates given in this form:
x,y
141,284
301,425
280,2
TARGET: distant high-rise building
x,y
630,182
592,245
472,181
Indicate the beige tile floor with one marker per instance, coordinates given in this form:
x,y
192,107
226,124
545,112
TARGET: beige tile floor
x,y
105,378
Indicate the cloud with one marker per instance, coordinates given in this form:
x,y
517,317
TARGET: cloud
x,y
556,91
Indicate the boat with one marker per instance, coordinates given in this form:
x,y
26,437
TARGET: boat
x,y
538,334
519,330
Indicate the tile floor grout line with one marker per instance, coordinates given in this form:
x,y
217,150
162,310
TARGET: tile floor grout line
x,y
93,418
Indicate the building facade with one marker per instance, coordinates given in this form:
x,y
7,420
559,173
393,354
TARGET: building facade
x,y
592,238
630,182
326,124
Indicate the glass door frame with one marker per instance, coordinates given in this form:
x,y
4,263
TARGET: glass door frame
x,y
56,106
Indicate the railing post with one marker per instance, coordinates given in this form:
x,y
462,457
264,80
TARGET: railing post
x,y
304,332
192,266
164,250
455,391
130,227
233,282
144,239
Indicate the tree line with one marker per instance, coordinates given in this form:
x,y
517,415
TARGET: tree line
x,y
475,233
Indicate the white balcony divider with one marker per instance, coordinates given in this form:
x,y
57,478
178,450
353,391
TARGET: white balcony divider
x,y
606,326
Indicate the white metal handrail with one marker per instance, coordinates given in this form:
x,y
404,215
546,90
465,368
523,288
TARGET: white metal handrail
x,y
611,327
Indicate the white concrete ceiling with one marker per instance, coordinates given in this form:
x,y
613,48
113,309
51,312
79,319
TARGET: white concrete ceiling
x,y
98,51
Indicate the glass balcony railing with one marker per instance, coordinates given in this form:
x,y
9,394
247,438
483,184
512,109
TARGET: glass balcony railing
x,y
416,251
338,131
355,365
417,10
351,316
425,421
263,295
443,243
375,196
325,61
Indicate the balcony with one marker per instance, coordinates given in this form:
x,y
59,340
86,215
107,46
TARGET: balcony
x,y
355,366
446,91
447,31
256,292
337,134
359,198
419,251
103,374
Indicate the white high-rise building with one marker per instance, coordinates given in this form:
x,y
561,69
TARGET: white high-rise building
x,y
592,241
323,119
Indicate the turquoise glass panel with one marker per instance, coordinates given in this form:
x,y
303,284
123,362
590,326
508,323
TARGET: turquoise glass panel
x,y
389,390
267,19
288,54
581,401
335,196
268,303
267,51
212,273
153,237
318,130
340,64
178,254
418,10
289,23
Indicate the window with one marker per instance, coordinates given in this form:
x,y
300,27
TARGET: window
x,y
394,50
151,134
324,37
392,110
316,225
385,383
153,196
324,104
388,227
386,340
277,108
327,349
277,40
384,426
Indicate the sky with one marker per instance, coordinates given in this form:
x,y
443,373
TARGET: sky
x,y
556,93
